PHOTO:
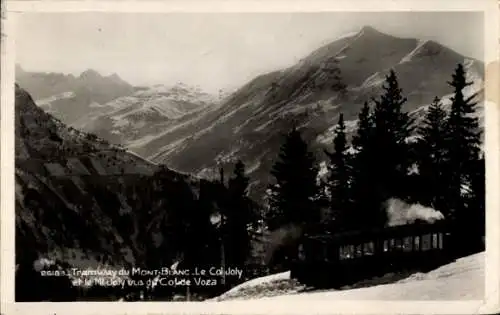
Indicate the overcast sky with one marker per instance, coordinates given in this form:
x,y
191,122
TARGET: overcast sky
x,y
214,50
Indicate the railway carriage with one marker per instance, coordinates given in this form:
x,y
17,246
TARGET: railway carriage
x,y
344,258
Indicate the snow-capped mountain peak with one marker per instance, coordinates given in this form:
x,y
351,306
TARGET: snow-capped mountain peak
x,y
177,92
70,97
138,117
253,117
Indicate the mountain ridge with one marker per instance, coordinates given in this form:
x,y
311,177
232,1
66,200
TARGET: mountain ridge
x,y
250,122
256,115
67,96
148,111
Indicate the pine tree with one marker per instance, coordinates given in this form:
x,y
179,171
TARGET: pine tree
x,y
363,176
477,203
431,150
463,141
463,149
238,184
382,160
292,194
238,217
392,127
338,179
362,138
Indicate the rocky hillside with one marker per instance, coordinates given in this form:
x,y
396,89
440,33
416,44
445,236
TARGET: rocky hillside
x,y
251,122
134,119
68,97
88,203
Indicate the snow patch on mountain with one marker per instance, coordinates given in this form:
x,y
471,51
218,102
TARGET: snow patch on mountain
x,y
252,168
377,79
149,113
95,105
374,80
228,157
264,125
173,146
140,158
144,140
49,100
412,53
179,92
348,35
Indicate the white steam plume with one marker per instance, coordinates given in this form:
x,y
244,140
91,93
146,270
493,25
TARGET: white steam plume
x,y
400,213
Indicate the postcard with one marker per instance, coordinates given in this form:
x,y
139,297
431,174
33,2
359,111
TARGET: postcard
x,y
248,157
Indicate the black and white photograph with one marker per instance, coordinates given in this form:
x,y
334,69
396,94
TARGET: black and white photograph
x,y
245,156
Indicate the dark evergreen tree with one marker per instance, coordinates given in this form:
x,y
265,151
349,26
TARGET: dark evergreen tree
x,y
463,141
363,176
463,153
382,160
292,195
392,127
202,234
238,183
431,150
178,204
338,179
476,203
361,139
323,203
239,216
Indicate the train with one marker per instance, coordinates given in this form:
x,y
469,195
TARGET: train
x,y
336,260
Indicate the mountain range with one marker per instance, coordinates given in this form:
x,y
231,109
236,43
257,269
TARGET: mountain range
x,y
251,122
70,97
132,119
194,132
112,108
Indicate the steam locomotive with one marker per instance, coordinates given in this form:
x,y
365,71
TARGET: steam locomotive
x,y
331,261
